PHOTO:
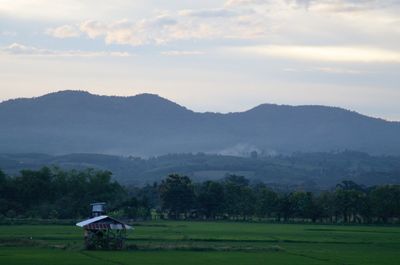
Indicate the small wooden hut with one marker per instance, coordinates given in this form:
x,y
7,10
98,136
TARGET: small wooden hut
x,y
102,231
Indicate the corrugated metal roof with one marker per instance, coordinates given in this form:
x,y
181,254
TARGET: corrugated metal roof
x,y
91,223
98,226
91,220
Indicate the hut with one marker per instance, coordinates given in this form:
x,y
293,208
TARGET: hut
x,y
102,231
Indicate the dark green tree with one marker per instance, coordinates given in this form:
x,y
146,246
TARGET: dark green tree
x,y
385,202
177,195
285,207
239,198
304,206
211,199
326,204
349,203
267,202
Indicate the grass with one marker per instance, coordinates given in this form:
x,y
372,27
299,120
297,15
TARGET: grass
x,y
207,243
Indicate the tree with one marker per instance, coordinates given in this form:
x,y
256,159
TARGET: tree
x,y
349,185
34,187
267,202
54,193
2,177
177,195
348,203
3,184
4,190
385,201
239,199
211,199
130,208
285,207
326,204
247,202
304,205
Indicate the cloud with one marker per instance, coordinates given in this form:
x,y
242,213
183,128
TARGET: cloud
x,y
19,49
208,13
298,22
289,3
70,10
319,5
155,30
8,33
62,32
234,3
181,53
344,54
335,6
93,28
168,27
325,69
336,70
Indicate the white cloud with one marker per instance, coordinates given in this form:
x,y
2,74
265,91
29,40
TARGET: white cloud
x,y
71,10
182,53
208,13
350,5
93,28
280,21
62,32
343,54
321,5
336,70
8,33
325,69
167,27
19,49
233,3
155,30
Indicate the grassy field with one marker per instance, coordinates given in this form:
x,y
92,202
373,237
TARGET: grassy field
x,y
207,243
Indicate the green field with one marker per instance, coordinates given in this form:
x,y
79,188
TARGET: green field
x,y
207,243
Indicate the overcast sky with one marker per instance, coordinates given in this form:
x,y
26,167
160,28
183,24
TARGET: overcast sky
x,y
209,55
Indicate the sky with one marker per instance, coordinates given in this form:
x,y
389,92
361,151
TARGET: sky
x,y
208,55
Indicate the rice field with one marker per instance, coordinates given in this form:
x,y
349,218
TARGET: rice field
x,y
166,242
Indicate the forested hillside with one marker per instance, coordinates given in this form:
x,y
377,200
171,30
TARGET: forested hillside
x,y
311,170
147,125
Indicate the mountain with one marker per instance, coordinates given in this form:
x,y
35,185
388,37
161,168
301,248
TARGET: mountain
x,y
147,125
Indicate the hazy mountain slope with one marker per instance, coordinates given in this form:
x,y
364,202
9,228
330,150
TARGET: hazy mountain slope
x,y
311,169
73,121
316,128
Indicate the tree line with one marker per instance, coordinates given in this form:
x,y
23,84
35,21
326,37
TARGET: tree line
x,y
235,199
54,193
58,194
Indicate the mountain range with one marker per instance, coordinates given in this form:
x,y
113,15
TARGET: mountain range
x,y
148,125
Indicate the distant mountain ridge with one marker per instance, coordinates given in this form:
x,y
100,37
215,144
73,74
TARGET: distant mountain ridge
x,y
146,125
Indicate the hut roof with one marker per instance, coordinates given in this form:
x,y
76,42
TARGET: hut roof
x,y
103,222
